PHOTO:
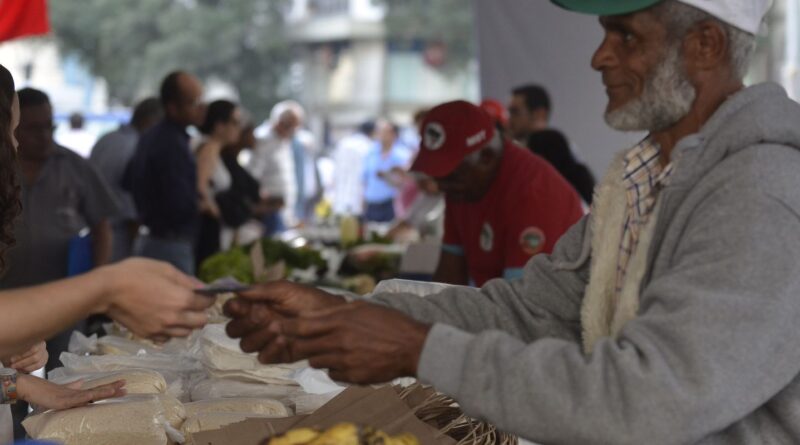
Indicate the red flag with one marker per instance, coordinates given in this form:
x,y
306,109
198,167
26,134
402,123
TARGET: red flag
x,y
20,18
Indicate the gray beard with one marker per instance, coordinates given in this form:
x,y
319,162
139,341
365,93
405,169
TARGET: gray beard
x,y
667,97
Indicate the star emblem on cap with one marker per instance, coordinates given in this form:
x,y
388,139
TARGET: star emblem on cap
x,y
434,136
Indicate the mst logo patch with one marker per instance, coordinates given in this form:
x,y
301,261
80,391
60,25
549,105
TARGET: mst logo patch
x,y
487,238
434,136
532,240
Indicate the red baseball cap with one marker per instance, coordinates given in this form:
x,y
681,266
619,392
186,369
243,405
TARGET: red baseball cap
x,y
496,110
449,133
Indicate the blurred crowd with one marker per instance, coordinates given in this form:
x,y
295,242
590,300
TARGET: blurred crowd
x,y
185,179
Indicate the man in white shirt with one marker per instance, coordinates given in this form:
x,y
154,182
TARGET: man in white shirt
x,y
284,164
348,189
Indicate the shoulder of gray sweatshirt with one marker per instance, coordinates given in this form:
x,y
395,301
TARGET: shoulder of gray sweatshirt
x,y
713,356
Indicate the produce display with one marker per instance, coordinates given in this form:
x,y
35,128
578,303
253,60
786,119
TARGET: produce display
x,y
238,262
364,264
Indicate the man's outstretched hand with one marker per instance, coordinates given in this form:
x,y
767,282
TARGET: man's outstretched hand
x,y
254,310
357,342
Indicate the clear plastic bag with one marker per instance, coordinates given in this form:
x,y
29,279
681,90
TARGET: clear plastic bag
x,y
131,420
137,381
214,388
156,361
81,345
223,358
120,341
214,421
178,371
252,405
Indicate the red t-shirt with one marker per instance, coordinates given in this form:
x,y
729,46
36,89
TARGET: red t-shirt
x,y
527,209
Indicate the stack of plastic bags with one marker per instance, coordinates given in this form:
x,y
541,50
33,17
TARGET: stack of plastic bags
x,y
185,386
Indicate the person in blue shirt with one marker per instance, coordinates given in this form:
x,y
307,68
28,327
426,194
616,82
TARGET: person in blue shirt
x,y
381,183
162,176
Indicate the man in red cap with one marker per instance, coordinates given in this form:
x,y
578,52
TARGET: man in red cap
x,y
504,204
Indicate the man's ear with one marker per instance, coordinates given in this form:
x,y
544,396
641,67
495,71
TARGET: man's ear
x,y
706,47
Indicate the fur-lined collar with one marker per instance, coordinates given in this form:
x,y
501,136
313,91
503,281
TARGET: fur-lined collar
x,y
604,312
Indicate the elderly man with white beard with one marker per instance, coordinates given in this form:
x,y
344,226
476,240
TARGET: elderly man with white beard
x,y
666,316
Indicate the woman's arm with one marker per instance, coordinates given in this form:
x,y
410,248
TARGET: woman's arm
x,y
207,159
152,299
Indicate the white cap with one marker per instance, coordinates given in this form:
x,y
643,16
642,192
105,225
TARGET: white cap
x,y
747,15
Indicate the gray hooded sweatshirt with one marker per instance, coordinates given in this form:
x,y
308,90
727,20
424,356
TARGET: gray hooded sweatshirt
x,y
713,355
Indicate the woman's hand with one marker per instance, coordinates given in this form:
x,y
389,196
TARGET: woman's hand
x,y
30,360
153,299
48,395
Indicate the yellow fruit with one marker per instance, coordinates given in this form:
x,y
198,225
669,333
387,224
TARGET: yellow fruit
x,y
404,439
300,436
341,434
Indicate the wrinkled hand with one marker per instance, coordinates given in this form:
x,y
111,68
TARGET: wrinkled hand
x,y
31,360
154,300
358,343
255,309
48,395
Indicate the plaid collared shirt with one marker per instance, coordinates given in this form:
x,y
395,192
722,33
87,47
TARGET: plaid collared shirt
x,y
643,178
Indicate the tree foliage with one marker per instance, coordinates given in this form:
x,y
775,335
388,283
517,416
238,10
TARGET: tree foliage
x,y
132,44
434,21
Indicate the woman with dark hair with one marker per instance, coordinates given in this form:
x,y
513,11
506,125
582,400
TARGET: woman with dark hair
x,y
9,188
221,128
152,299
243,200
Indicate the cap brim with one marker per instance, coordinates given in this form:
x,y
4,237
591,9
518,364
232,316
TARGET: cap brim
x,y
435,164
605,7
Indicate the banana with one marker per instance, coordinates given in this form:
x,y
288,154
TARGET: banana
x,y
403,439
300,436
342,434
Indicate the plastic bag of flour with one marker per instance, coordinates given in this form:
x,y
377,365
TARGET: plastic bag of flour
x,y
137,381
252,405
179,372
214,388
131,420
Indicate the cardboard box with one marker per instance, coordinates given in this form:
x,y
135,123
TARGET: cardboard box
x,y
379,408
